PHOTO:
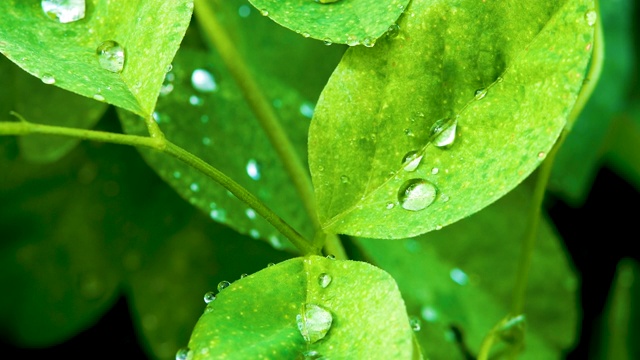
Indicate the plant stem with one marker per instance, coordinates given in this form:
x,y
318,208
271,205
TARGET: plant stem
x,y
260,106
24,127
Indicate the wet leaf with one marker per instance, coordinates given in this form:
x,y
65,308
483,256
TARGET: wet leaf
x,y
507,73
350,22
149,32
460,280
358,314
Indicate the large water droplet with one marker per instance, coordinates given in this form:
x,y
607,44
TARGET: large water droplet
x,y
111,56
459,276
416,194
223,285
48,79
64,11
183,353
203,81
324,280
411,160
314,322
443,132
209,297
591,17
252,169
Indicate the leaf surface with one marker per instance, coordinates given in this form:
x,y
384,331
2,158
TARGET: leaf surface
x,y
350,22
461,279
149,30
507,72
256,317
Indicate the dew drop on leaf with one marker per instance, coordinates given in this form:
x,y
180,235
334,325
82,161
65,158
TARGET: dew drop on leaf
x,y
416,194
411,160
314,323
264,12
324,280
480,93
443,132
223,285
458,276
415,323
331,257
254,233
328,42
203,81
111,56
209,297
369,42
98,97
64,11
393,31
591,17
428,313
251,214
194,187
253,170
195,100
307,109
435,171
344,179
48,79
183,353
390,205
271,264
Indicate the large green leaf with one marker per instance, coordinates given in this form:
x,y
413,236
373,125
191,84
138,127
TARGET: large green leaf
x,y
570,178
463,276
346,309
350,22
507,72
148,30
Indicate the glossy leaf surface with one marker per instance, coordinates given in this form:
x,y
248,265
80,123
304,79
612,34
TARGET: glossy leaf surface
x,y
506,72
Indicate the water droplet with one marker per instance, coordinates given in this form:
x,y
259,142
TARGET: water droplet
x,y
438,227
390,205
203,81
48,79
435,171
393,31
408,132
254,233
243,276
264,12
428,313
591,17
64,11
480,93
459,276
253,170
331,257
111,56
206,141
307,109
98,97
443,132
314,323
183,353
352,40
218,215
177,174
276,242
541,155
244,11
209,297
195,100
416,194
324,280
328,42
306,35
411,160
344,179
369,42
251,214
223,285
194,187
415,323
271,264
400,6
168,68
499,79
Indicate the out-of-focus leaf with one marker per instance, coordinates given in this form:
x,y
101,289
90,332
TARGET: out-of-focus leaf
x,y
570,178
463,276
150,32
622,316
623,146
506,72
346,309
350,22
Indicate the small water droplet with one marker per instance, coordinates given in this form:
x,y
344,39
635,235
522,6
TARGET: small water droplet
x,y
400,6
223,285
480,93
195,100
409,132
271,264
244,11
369,42
253,170
168,68
541,155
415,323
444,197
428,313
194,187
458,276
306,35
393,31
64,11
48,79
328,42
435,171
203,81
307,109
438,227
411,160
183,353
390,205
218,214
264,12
251,214
276,242
314,323
98,97
206,141
324,280
416,194
111,56
254,233
344,179
443,132
331,257
352,40
591,17
243,276
209,297
177,174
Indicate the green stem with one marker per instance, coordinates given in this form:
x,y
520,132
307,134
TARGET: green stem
x,y
24,127
153,128
260,106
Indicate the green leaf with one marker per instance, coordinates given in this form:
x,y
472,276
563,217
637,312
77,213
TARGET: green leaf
x,y
570,178
463,276
149,30
357,314
507,72
350,22
218,127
